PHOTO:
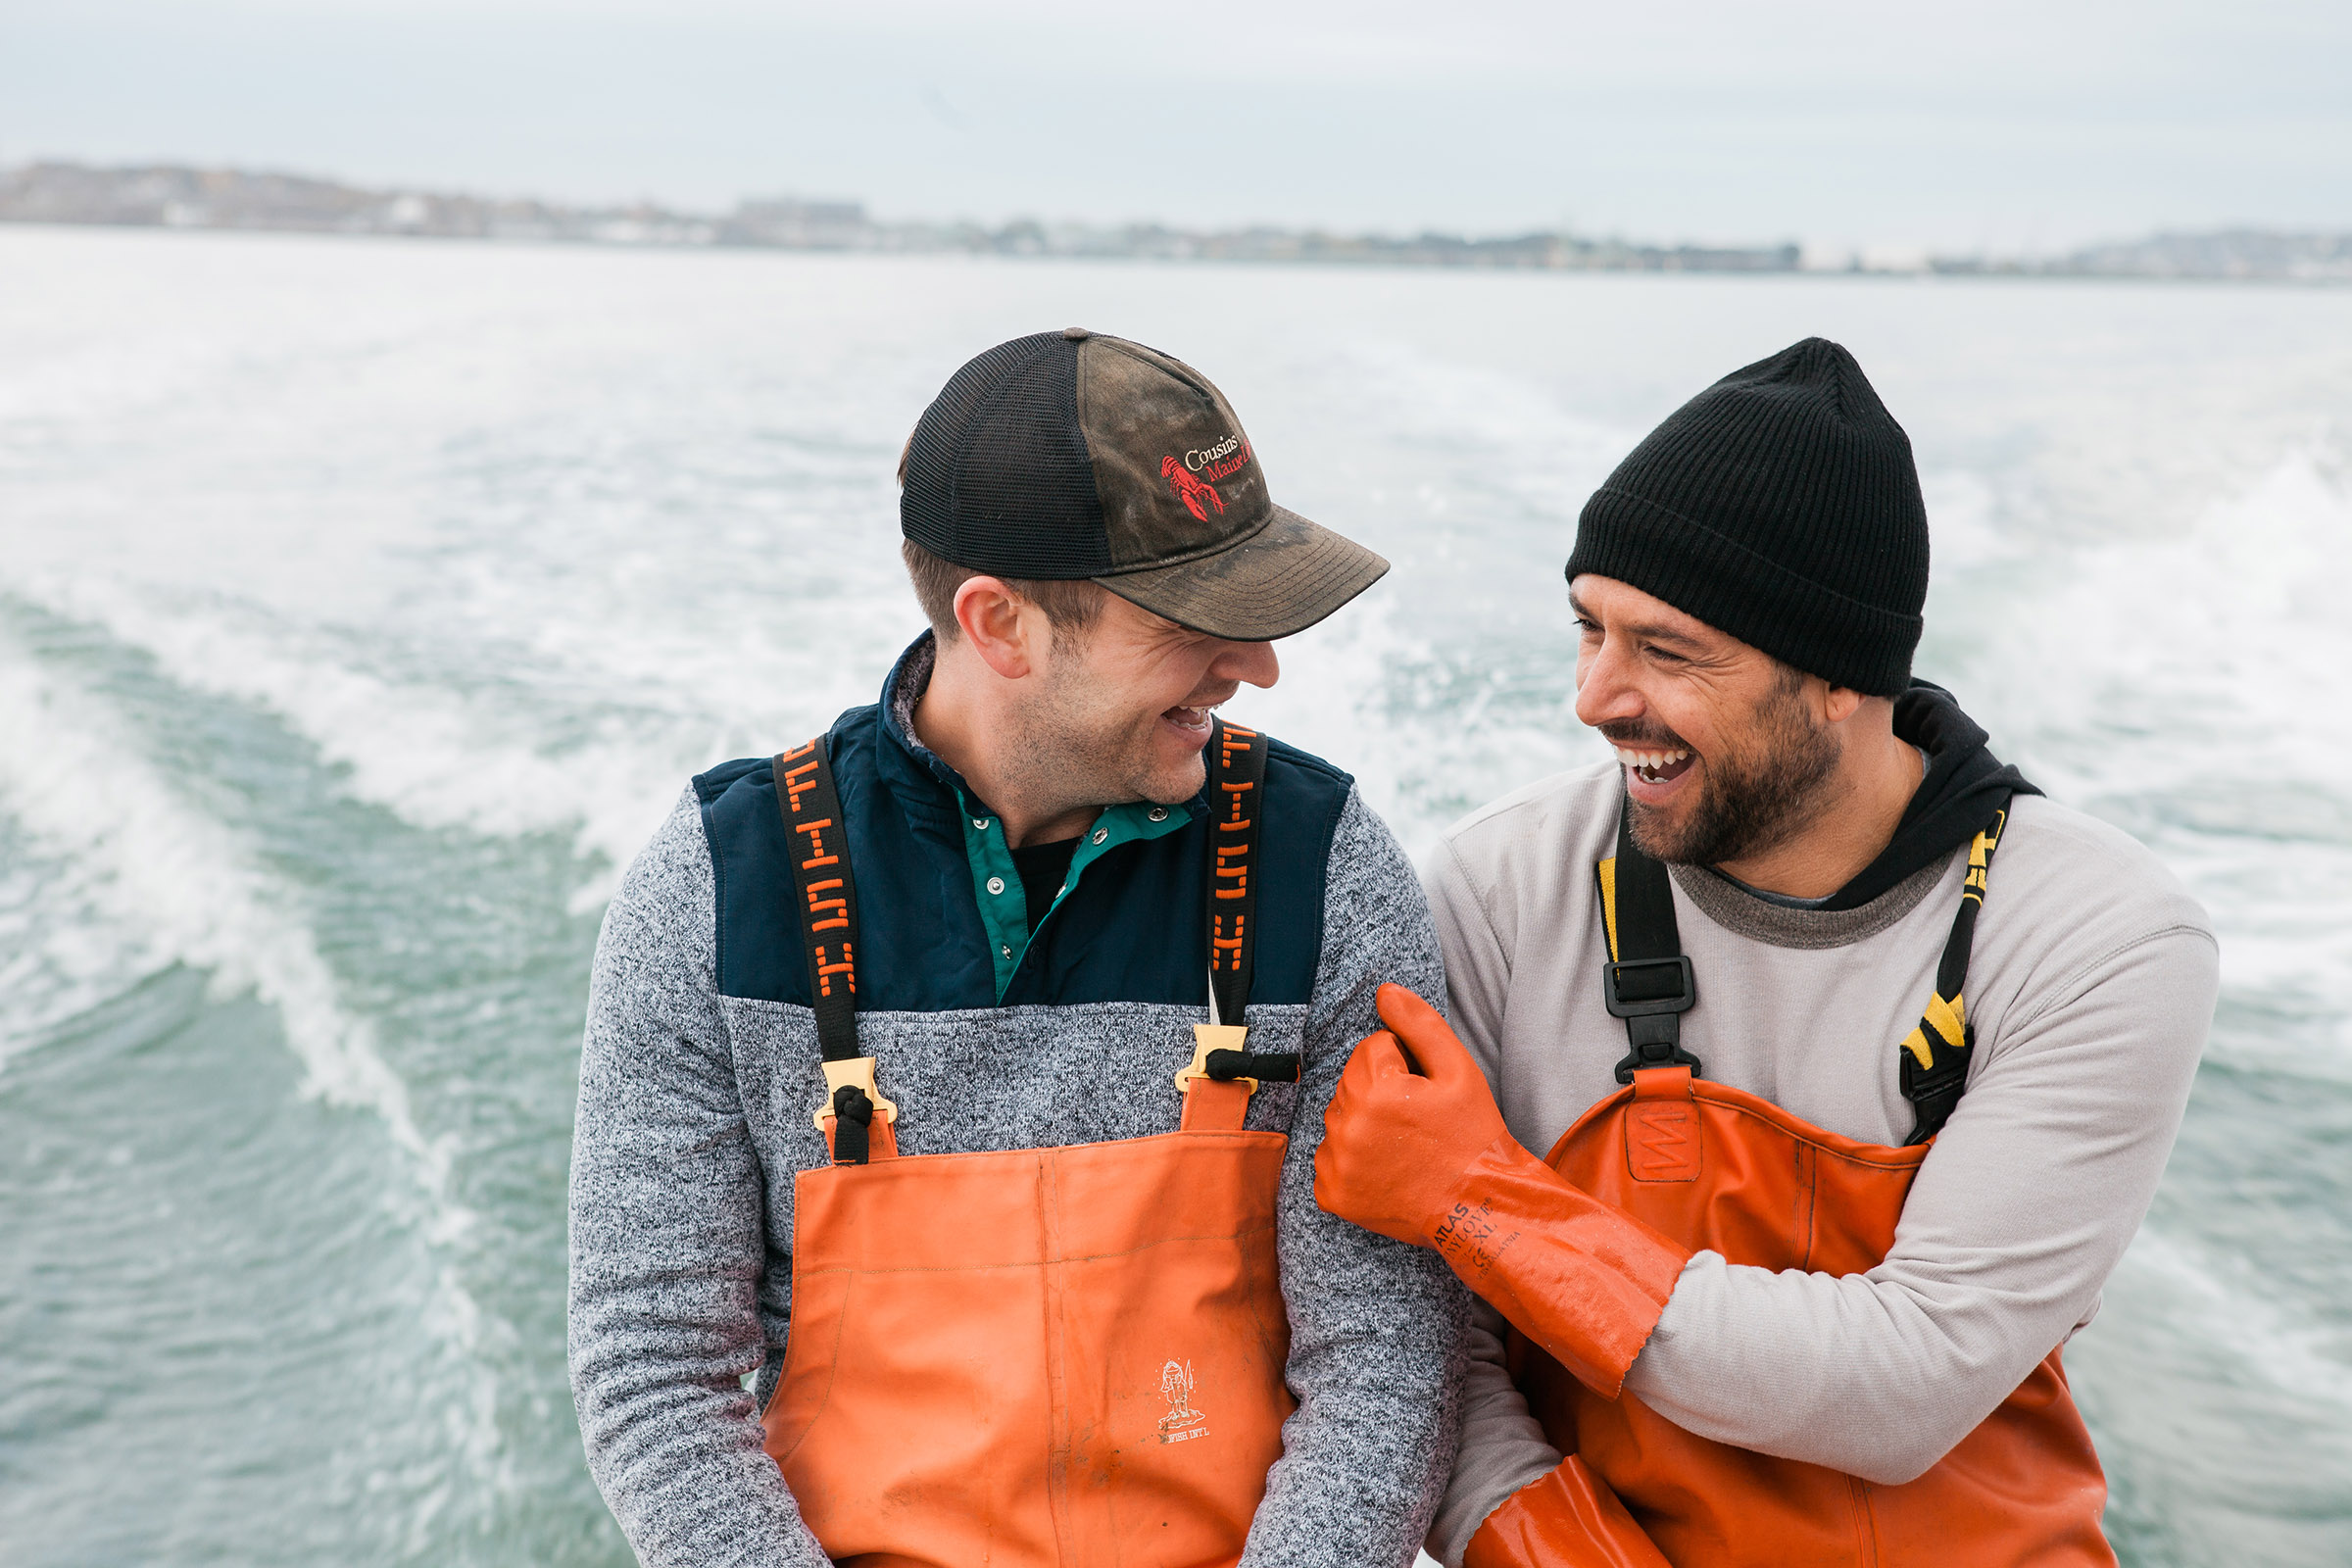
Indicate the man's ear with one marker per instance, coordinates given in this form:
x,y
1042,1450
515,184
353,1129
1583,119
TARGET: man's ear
x,y
1000,627
1841,703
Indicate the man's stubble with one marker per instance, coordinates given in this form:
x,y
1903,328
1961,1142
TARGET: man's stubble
x,y
1073,748
1755,799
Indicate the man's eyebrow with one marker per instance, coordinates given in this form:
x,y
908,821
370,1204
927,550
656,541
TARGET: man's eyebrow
x,y
1658,632
1655,631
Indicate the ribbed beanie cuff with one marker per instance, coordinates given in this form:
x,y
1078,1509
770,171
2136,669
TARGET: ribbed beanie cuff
x,y
1779,506
1734,590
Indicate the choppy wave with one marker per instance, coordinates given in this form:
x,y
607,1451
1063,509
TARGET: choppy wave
x,y
439,755
2193,689
2230,1307
141,881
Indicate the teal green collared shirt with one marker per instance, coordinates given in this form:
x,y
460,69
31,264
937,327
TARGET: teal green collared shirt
x,y
997,881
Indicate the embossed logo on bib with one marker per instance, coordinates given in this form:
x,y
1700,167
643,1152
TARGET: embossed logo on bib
x,y
1661,1140
1182,1423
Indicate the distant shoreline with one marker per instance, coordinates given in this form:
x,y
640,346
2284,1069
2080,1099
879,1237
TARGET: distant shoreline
x,y
1799,277
182,197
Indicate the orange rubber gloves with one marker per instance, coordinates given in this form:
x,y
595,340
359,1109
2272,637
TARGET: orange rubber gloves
x,y
1423,1156
1569,1516
1401,1130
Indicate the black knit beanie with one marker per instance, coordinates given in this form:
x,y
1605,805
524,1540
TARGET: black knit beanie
x,y
1781,506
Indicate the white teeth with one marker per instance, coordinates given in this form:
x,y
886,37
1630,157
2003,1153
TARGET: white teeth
x,y
1652,762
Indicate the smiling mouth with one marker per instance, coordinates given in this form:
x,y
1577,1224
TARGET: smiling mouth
x,y
1192,722
1654,767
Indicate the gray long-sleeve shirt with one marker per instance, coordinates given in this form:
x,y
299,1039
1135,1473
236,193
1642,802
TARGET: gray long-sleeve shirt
x,y
694,1118
2090,990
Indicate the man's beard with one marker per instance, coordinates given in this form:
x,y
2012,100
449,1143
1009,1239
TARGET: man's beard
x,y
1752,801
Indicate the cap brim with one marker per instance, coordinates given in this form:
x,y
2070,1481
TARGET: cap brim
x,y
1280,580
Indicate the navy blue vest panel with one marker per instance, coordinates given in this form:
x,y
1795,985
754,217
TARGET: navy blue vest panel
x,y
1133,930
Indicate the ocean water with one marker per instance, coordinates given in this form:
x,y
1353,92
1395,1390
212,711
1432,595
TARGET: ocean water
x,y
363,605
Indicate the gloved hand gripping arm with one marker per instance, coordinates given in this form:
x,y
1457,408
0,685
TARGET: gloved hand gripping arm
x,y
1413,1148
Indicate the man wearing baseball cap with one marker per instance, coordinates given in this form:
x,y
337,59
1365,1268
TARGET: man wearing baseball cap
x,y
1853,1061
942,1191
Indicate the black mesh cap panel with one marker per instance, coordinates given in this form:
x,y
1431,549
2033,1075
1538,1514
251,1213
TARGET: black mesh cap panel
x,y
998,475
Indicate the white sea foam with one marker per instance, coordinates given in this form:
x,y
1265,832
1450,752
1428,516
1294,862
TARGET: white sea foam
x,y
131,877
2257,1326
589,702
2234,630
434,756
1963,525
168,885
2197,686
57,963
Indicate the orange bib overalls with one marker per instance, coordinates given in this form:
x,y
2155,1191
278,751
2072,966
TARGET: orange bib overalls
x,y
1065,1356
1717,1168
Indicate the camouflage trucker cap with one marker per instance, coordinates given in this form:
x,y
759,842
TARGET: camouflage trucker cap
x,y
1070,455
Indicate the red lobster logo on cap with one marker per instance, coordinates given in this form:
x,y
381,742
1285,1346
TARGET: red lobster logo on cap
x,y
1197,494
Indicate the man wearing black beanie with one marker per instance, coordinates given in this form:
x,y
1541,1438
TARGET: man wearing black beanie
x,y
1842,1129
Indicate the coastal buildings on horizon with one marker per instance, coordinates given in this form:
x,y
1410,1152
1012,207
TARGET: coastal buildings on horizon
x,y
176,196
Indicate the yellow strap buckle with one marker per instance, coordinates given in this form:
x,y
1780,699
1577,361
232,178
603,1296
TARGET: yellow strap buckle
x,y
857,1072
1949,1019
1208,1036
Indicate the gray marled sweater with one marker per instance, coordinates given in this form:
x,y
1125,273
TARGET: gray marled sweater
x,y
694,1118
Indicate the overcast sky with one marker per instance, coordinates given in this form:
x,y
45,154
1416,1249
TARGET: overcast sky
x,y
2004,124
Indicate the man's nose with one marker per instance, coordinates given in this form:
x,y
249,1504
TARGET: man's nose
x,y
1254,663
1603,693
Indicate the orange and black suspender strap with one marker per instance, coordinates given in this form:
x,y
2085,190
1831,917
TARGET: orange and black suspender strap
x,y
1237,788
818,835
1935,1055
1648,981
815,829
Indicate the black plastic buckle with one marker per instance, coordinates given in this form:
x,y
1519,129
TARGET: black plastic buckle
x,y
1648,998
1935,1091
1654,1013
1271,1068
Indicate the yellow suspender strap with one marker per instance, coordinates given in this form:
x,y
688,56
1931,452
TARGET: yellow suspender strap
x,y
1934,1070
1608,903
1949,1019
